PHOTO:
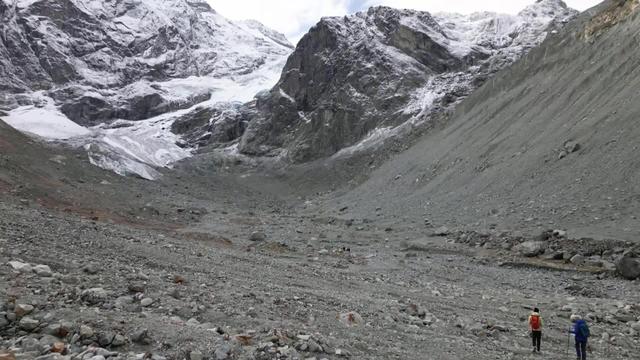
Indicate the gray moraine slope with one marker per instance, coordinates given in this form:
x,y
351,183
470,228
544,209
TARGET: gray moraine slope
x,y
549,142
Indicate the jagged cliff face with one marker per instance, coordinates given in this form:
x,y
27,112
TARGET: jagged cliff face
x,y
126,52
351,77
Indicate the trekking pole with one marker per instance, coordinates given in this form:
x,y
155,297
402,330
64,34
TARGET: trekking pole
x,y
568,342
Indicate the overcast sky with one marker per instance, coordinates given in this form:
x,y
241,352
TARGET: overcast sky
x,y
294,17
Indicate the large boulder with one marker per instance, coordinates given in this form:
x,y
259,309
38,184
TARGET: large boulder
x,y
629,267
531,248
94,296
216,125
88,110
21,267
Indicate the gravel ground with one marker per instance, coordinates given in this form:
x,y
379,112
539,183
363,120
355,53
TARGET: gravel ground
x,y
309,287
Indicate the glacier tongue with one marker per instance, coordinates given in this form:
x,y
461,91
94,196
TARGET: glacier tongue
x,y
45,121
137,147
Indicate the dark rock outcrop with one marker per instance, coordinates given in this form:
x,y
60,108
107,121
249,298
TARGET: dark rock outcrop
x,y
381,68
629,267
215,126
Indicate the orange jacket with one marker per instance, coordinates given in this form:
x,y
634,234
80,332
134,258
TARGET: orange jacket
x,y
539,321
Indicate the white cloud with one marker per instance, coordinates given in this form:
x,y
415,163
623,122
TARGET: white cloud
x,y
294,17
290,17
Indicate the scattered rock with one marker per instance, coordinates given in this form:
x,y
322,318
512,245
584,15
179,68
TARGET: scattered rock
x,y
351,318
137,287
21,267
58,347
625,318
577,259
91,268
258,236
3,320
43,270
60,330
94,296
23,309
86,332
563,154
441,231
105,338
222,352
175,293
560,233
629,267
609,266
571,146
28,324
531,248
7,355
146,302
141,337
196,355
118,341
415,310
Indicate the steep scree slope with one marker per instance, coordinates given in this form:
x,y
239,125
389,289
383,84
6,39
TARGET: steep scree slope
x,y
549,142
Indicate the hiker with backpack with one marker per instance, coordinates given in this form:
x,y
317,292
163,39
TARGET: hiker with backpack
x,y
535,327
581,332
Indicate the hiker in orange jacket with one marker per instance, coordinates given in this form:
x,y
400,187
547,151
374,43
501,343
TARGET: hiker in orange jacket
x,y
535,327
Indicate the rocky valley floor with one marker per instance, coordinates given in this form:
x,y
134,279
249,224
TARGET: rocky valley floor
x,y
411,187
275,282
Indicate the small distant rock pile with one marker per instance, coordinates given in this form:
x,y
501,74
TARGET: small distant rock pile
x,y
610,256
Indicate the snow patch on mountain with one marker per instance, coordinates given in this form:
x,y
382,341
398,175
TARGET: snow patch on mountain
x,y
44,121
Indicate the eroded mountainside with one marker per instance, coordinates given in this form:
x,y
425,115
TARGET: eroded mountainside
x,y
383,70
550,141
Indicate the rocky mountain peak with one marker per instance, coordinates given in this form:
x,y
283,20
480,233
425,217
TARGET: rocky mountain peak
x,y
269,33
544,9
357,76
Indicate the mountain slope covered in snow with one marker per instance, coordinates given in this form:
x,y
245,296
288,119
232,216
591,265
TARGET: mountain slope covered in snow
x,y
104,64
140,84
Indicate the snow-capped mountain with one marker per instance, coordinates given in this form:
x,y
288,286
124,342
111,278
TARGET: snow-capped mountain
x,y
355,80
94,68
141,83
